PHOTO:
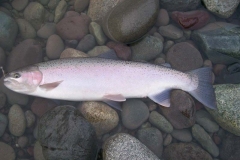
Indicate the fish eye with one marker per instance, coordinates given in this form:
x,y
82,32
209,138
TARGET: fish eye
x,y
16,75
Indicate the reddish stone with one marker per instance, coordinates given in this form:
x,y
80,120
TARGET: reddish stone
x,y
41,106
191,20
30,151
73,28
123,51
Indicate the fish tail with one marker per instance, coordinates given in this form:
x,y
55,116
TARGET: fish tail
x,y
204,92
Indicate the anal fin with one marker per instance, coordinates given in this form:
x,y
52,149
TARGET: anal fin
x,y
162,98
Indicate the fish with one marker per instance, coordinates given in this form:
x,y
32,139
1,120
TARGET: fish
x,y
99,79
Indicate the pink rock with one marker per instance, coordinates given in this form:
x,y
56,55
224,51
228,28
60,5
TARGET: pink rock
x,y
41,106
73,28
122,50
191,20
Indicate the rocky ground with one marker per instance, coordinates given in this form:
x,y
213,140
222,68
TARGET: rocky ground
x,y
185,34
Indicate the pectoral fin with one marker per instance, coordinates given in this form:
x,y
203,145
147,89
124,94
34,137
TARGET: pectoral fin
x,y
50,86
162,98
114,97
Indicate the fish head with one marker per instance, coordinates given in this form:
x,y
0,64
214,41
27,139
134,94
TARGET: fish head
x,y
24,80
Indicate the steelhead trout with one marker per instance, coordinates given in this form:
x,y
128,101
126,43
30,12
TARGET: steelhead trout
x,y
98,79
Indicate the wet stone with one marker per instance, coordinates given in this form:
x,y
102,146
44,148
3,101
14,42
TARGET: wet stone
x,y
206,121
17,121
19,5
123,146
54,47
184,57
134,113
123,51
96,51
100,115
228,114
60,10
2,58
87,43
8,30
205,140
182,112
146,49
171,32
64,134
96,30
41,105
26,29
183,135
38,155
137,19
30,117
160,122
184,151
47,30
7,152
70,52
80,5
163,18
3,100
3,123
152,138
222,49
179,5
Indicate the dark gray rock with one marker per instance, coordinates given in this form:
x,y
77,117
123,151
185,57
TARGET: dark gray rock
x,y
2,57
152,138
230,148
183,135
87,43
220,41
132,24
8,31
179,5
185,151
64,134
3,123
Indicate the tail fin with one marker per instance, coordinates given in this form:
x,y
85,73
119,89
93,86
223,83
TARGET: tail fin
x,y
205,91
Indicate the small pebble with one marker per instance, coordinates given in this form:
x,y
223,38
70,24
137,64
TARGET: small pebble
x,y
22,141
54,47
47,30
60,11
171,32
7,152
163,18
30,117
160,122
87,43
96,30
167,140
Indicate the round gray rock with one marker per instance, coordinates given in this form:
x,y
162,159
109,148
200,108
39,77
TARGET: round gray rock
x,y
54,47
160,122
7,152
170,31
152,138
146,49
123,146
87,43
64,134
134,113
3,123
17,121
8,31
185,151
205,140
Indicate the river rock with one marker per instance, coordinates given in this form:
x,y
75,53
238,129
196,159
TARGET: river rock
x,y
146,49
205,140
179,5
73,28
123,51
137,19
38,155
70,52
80,5
8,31
60,10
230,148
96,30
87,43
3,123
182,112
30,118
40,106
228,100
184,57
3,99
26,29
64,134
160,122
19,5
2,58
100,115
163,18
17,121
53,4
96,51
47,30
183,135
54,47
99,8
152,138
221,8
184,151
223,49
123,146
206,121
34,13
191,20
170,31
26,53
7,152
134,113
